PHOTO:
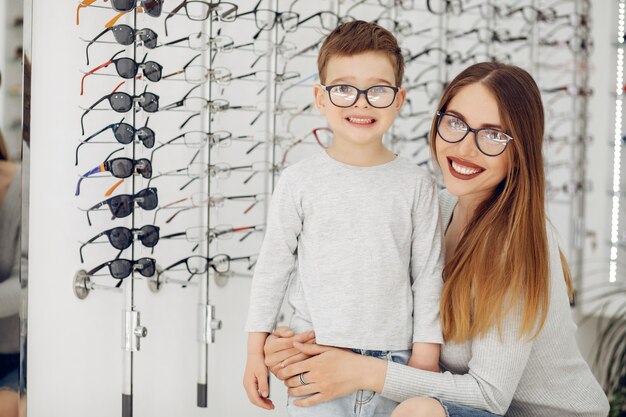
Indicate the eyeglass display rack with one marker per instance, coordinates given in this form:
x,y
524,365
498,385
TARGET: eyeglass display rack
x,y
257,91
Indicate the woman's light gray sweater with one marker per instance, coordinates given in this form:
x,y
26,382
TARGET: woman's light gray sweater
x,y
546,377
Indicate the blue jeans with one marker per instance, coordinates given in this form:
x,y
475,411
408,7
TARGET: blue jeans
x,y
358,404
456,410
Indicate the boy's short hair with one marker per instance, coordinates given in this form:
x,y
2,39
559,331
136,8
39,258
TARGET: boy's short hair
x,y
356,37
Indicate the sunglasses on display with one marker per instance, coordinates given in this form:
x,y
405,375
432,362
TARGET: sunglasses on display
x,y
121,269
123,102
126,35
201,10
150,7
124,133
124,204
122,237
119,168
128,68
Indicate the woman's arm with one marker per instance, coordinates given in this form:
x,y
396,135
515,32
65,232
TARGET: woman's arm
x,y
495,370
331,373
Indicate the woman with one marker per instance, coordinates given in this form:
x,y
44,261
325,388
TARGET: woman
x,y
510,340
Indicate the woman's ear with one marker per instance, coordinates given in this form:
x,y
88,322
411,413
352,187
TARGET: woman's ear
x,y
319,96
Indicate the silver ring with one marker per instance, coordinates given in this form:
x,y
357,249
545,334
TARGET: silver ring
x,y
302,381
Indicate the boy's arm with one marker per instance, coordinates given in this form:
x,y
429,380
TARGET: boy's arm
x,y
255,379
426,263
277,258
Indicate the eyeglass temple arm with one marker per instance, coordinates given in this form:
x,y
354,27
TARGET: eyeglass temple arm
x,y
184,67
99,67
111,126
117,17
98,36
85,3
114,187
82,125
172,13
188,119
174,42
97,268
80,250
99,168
173,235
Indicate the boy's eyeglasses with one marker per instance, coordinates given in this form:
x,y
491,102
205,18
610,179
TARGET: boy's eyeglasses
x,y
122,237
126,35
128,68
119,168
123,205
452,129
124,133
122,102
122,268
345,95
201,10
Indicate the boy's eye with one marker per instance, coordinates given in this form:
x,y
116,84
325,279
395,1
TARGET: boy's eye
x,y
344,89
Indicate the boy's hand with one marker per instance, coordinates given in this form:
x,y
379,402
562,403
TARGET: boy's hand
x,y
425,356
256,383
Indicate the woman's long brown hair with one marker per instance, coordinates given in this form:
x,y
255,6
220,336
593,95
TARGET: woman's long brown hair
x,y
501,263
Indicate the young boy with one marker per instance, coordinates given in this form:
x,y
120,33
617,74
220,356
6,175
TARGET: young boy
x,y
358,225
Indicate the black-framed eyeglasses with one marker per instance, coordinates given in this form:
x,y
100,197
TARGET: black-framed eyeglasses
x,y
266,19
123,205
346,95
327,20
119,168
201,10
197,264
125,133
122,268
452,129
126,35
122,237
122,102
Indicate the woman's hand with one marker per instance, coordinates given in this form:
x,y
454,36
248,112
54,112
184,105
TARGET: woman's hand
x,y
279,350
331,373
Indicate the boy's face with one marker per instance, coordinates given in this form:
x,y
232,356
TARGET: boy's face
x,y
361,123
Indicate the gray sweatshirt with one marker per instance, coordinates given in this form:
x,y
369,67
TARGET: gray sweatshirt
x,y
365,243
546,377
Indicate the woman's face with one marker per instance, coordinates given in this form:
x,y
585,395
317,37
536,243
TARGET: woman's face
x,y
467,172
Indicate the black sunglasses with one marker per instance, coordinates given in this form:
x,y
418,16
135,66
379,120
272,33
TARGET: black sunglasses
x,y
126,35
123,205
119,168
150,7
122,102
125,133
122,237
122,268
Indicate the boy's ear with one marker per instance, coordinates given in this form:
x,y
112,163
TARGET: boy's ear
x,y
400,98
319,95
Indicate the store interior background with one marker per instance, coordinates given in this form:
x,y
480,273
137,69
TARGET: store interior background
x,y
79,359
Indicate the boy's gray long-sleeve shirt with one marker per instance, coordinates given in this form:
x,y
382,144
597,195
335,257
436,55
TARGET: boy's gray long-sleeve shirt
x,y
366,245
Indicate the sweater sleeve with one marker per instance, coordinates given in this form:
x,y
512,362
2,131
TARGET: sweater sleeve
x,y
426,264
277,259
495,369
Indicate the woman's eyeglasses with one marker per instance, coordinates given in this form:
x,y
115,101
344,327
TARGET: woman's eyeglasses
x,y
122,268
124,133
126,35
122,237
345,95
119,168
123,205
453,129
128,68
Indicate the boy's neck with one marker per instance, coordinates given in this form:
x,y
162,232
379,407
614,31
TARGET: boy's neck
x,y
361,156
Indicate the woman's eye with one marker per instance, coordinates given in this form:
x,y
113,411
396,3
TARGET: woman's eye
x,y
456,124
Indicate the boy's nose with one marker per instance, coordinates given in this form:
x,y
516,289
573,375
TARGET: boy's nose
x,y
361,101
